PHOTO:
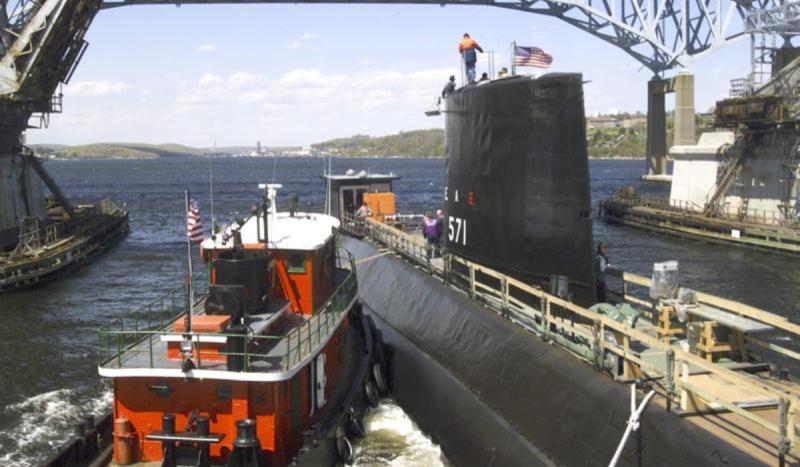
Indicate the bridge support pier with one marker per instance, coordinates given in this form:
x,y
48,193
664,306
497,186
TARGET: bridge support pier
x,y
657,89
656,127
683,85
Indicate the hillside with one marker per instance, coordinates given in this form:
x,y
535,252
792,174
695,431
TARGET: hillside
x,y
122,151
428,143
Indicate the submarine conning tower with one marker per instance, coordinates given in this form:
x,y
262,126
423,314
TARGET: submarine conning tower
x,y
517,196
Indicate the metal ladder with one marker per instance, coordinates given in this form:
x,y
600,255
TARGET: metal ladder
x,y
737,157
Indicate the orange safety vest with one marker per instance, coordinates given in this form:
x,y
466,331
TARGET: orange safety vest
x,y
467,43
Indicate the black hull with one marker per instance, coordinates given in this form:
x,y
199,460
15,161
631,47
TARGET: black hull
x,y
320,444
493,394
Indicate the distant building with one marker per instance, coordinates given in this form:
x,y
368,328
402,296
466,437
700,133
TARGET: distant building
x,y
634,122
602,123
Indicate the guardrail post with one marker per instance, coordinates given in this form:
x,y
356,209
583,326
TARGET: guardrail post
x,y
596,345
446,268
546,317
791,433
626,365
670,378
472,281
783,444
504,291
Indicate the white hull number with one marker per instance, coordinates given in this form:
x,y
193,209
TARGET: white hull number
x,y
457,230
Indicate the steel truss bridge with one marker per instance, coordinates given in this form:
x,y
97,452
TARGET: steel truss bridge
x,y
42,41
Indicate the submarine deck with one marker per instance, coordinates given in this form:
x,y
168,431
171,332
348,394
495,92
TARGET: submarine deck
x,y
726,389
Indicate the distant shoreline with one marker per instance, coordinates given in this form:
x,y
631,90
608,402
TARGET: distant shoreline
x,y
190,156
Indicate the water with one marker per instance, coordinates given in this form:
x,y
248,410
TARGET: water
x,y
47,366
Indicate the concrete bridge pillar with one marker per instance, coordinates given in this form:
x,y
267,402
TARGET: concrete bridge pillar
x,y
683,85
656,127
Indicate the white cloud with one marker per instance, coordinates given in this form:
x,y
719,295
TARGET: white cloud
x,y
298,43
96,88
312,90
205,48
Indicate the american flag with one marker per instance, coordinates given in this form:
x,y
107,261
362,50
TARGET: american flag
x,y
194,227
531,56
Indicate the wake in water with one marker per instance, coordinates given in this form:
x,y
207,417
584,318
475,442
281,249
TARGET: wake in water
x,y
44,422
393,439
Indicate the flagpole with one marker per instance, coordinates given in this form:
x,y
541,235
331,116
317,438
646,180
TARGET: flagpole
x,y
513,62
211,191
190,292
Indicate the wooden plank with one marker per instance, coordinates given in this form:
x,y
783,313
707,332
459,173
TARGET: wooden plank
x,y
750,416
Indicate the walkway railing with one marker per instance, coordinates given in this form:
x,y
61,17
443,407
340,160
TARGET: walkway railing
x,y
583,332
137,334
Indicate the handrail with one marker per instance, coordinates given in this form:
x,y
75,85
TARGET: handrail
x,y
118,345
539,311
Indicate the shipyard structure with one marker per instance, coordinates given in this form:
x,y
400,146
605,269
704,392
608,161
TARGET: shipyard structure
x,y
740,183
42,237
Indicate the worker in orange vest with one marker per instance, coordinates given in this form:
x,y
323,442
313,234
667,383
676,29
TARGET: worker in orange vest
x,y
467,48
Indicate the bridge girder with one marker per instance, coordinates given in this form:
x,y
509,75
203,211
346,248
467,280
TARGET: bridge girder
x,y
660,34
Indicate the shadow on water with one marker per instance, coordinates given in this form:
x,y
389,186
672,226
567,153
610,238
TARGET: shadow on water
x,y
50,377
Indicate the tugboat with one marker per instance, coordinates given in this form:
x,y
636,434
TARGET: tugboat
x,y
274,365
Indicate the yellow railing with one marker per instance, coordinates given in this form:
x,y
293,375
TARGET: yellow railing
x,y
583,332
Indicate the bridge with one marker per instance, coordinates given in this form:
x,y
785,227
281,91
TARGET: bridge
x,y
42,42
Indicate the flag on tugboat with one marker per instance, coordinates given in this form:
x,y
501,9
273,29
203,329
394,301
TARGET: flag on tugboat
x,y
531,56
194,227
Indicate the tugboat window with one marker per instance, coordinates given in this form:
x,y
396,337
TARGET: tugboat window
x,y
296,263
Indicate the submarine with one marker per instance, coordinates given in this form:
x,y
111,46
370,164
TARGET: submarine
x,y
499,387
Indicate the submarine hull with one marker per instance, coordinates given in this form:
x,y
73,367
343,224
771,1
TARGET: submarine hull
x,y
491,393
517,196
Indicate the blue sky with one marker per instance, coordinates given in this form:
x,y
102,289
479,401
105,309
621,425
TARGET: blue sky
x,y
300,74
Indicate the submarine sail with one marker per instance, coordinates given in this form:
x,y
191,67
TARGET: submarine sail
x,y
517,196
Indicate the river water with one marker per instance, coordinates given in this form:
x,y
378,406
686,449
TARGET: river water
x,y
47,365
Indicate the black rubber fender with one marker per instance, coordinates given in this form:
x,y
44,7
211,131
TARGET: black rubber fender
x,y
379,377
355,426
344,449
371,392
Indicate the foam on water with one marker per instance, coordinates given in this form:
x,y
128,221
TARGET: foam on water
x,y
45,421
393,439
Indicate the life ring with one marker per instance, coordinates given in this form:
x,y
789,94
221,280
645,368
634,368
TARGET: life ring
x,y
355,427
380,379
373,397
344,449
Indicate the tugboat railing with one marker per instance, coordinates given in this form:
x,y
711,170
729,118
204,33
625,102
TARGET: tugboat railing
x,y
146,326
582,332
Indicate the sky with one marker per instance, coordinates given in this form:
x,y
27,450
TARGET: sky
x,y
299,74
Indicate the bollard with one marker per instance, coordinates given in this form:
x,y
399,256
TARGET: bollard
x,y
203,428
246,449
123,442
168,447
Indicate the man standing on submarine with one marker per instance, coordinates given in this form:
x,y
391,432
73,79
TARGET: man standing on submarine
x,y
467,48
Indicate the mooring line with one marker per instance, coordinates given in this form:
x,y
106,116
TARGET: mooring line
x,y
370,258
